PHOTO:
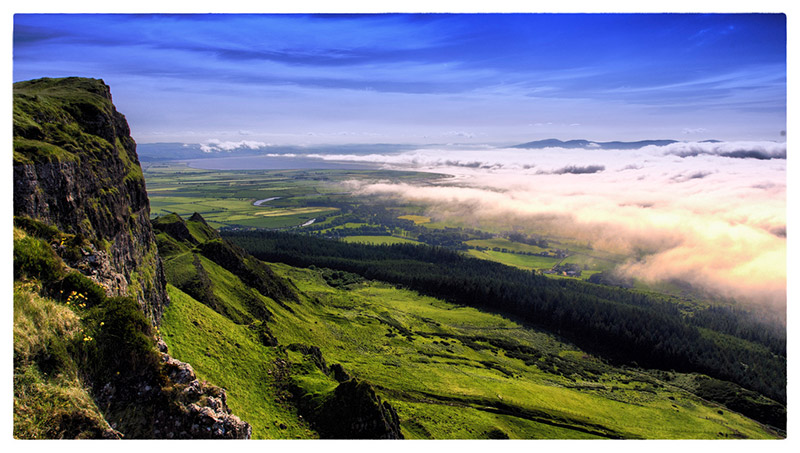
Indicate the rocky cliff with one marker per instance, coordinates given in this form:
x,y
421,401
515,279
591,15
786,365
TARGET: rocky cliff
x,y
89,283
76,168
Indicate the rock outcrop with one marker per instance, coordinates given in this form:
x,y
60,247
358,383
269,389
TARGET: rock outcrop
x,y
76,168
211,419
354,411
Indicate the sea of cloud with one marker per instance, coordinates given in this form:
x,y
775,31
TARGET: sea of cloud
x,y
709,213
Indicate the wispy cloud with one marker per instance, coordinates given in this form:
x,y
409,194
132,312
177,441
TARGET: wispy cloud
x,y
578,170
411,76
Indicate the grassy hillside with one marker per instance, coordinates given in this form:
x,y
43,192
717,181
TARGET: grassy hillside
x,y
448,371
86,364
230,355
223,309
451,372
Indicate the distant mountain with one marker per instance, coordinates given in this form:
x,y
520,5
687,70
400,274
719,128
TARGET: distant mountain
x,y
571,144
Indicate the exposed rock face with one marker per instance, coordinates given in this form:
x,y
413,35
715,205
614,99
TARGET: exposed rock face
x,y
338,372
184,408
76,168
212,419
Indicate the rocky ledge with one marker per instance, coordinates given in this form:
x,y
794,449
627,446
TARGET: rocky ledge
x,y
211,419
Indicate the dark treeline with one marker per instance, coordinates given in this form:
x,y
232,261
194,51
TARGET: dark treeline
x,y
621,324
515,236
742,324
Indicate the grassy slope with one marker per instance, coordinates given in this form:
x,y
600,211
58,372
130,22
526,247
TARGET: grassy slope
x,y
50,401
226,353
440,385
527,262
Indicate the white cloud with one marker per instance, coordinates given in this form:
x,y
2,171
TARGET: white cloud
x,y
215,145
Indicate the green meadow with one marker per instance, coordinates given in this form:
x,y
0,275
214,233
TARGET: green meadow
x,y
527,262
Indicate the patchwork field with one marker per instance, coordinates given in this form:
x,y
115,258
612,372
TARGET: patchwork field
x,y
229,198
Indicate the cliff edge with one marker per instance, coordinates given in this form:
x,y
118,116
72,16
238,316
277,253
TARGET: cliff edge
x,y
89,285
76,168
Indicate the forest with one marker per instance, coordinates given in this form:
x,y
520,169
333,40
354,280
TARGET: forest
x,y
627,327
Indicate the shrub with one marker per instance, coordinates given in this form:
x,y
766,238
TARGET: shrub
x,y
37,228
497,433
76,283
122,347
33,258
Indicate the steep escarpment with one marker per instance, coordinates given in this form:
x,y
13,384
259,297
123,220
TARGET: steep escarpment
x,y
90,289
76,168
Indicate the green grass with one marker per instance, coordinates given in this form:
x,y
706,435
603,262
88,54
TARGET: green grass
x,y
449,371
50,401
226,354
417,219
591,262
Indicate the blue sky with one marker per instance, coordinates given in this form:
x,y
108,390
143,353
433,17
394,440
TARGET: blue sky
x,y
423,78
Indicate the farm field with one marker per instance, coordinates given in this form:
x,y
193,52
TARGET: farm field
x,y
527,262
503,243
274,199
417,219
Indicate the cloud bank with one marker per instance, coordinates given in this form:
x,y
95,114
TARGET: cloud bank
x,y
691,212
